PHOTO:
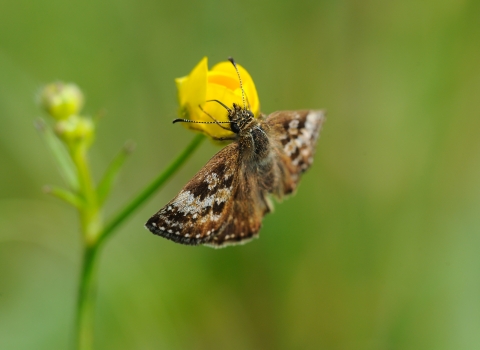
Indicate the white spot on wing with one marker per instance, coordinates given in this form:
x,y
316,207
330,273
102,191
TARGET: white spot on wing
x,y
212,180
293,127
290,147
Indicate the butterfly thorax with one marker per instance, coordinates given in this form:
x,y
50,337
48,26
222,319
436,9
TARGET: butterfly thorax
x,y
252,138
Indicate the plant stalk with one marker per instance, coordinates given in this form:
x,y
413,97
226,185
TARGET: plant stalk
x,y
94,234
86,299
153,187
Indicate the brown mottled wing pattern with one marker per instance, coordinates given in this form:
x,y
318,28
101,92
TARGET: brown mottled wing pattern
x,y
218,207
294,136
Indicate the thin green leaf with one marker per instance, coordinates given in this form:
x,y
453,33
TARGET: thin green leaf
x,y
60,153
108,179
150,189
65,195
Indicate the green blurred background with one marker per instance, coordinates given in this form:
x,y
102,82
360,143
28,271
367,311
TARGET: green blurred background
x,y
379,249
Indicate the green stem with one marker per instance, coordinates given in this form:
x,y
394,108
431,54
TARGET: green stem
x,y
91,226
151,188
94,235
90,213
86,300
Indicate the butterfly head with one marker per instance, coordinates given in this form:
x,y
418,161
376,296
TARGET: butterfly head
x,y
239,118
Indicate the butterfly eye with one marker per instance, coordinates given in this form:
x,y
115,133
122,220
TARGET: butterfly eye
x,y
235,128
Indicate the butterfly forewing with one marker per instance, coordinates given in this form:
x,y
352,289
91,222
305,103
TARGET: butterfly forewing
x,y
207,207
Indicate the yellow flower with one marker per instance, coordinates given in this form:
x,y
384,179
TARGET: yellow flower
x,y
220,83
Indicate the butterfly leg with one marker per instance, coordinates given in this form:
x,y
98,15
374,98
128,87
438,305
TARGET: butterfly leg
x,y
230,138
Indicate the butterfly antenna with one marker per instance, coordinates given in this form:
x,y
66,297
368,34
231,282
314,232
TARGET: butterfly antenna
x,y
214,120
221,103
240,80
179,120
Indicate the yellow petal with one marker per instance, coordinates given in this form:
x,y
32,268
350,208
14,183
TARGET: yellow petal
x,y
227,69
217,111
193,88
179,82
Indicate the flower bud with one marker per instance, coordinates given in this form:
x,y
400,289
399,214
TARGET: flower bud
x,y
61,100
75,130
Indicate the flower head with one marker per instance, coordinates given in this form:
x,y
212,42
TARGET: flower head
x,y
61,100
220,83
75,130
64,102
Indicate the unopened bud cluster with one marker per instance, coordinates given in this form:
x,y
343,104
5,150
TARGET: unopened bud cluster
x,y
64,102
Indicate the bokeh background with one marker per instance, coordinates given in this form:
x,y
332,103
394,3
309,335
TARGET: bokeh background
x,y
379,249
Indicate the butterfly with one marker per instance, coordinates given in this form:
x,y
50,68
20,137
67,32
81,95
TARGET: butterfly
x,y
225,202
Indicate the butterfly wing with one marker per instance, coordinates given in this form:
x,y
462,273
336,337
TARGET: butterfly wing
x,y
226,200
247,208
218,207
294,136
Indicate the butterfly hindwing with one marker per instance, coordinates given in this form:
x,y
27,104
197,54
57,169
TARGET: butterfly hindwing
x,y
294,135
244,219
